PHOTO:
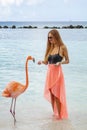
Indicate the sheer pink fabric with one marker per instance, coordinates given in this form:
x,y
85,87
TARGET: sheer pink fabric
x,y
55,83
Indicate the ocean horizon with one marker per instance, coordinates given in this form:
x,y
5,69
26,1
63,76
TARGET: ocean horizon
x,y
41,24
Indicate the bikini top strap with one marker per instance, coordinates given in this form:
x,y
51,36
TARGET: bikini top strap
x,y
59,50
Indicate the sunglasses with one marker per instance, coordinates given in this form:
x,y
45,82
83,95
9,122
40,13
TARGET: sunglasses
x,y
50,37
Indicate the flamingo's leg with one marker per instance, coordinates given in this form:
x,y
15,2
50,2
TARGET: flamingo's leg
x,y
11,106
14,111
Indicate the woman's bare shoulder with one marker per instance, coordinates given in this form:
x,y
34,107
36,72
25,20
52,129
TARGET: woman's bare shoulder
x,y
63,47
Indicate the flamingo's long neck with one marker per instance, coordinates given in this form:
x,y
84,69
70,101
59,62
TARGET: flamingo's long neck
x,y
26,69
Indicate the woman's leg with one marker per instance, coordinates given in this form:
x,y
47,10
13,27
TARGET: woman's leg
x,y
52,100
58,104
55,100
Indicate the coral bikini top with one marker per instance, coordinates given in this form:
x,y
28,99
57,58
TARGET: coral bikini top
x,y
53,59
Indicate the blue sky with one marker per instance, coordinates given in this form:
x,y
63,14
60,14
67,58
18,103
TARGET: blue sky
x,y
43,10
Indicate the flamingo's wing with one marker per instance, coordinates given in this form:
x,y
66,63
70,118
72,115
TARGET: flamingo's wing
x,y
13,89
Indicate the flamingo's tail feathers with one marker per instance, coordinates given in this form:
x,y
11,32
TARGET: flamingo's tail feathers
x,y
6,93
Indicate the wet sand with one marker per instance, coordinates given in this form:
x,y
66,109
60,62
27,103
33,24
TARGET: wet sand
x,y
32,123
32,117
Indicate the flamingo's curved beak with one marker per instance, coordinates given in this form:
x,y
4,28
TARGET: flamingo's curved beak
x,y
34,60
31,58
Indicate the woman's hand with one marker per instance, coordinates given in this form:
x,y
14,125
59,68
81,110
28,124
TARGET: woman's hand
x,y
42,62
58,63
39,62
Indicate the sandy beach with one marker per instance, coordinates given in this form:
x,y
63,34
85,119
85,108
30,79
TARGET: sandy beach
x,y
37,124
30,117
38,117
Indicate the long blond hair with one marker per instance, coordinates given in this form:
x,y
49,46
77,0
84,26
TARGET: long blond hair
x,y
50,46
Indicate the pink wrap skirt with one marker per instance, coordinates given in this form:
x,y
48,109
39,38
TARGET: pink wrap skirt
x,y
55,84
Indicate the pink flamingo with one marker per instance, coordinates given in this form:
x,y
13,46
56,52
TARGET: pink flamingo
x,y
14,89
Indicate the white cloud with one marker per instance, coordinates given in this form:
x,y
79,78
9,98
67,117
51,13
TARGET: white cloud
x,y
32,2
8,10
10,2
66,1
6,2
5,14
18,2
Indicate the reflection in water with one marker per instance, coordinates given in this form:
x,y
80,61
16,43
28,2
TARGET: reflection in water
x,y
32,117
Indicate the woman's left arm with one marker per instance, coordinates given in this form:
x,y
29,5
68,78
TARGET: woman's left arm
x,y
66,57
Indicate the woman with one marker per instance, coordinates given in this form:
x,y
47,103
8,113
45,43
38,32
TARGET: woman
x,y
56,54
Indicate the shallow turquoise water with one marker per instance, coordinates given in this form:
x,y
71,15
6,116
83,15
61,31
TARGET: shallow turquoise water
x,y
16,45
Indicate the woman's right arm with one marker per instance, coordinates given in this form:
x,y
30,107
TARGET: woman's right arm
x,y
42,62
